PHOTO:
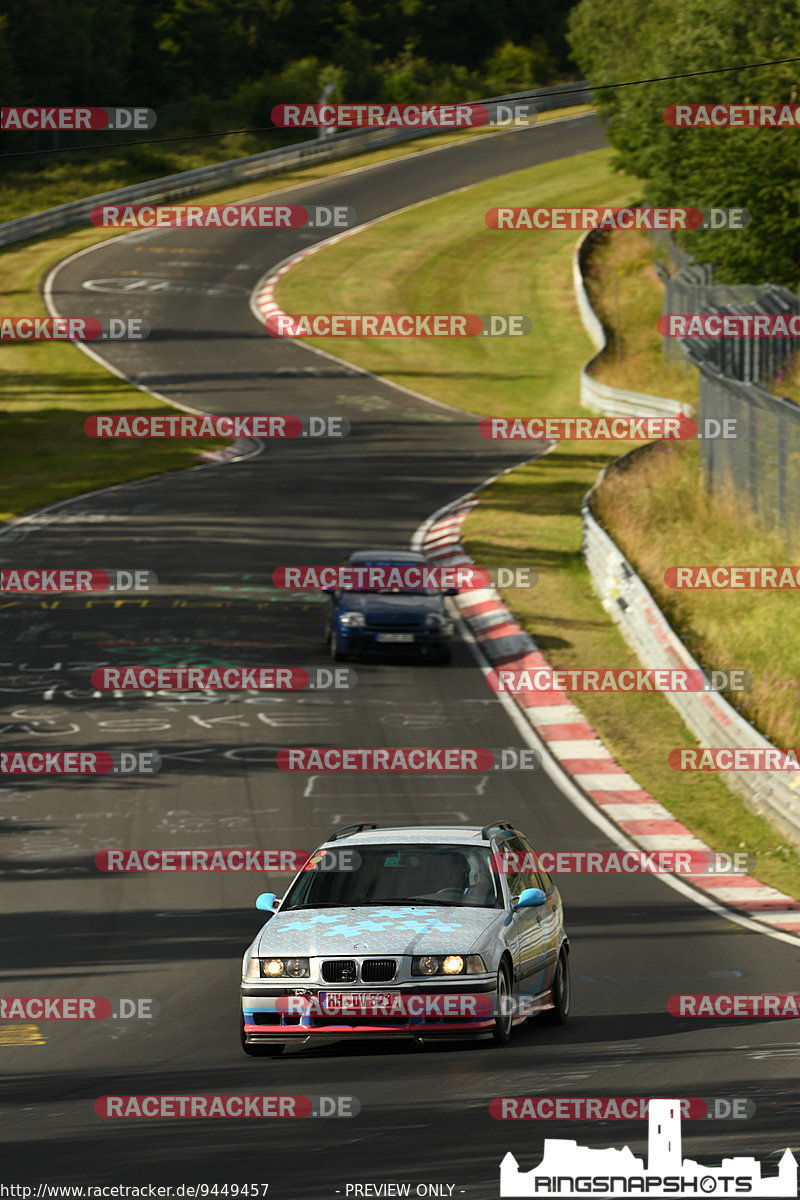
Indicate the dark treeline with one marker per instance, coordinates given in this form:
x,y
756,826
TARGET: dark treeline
x,y
202,62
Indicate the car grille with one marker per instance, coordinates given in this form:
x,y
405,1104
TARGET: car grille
x,y
393,624
341,970
378,970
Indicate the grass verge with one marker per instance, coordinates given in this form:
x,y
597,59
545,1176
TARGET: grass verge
x,y
450,262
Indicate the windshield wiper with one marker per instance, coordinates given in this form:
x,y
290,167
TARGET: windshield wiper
x,y
408,900
321,904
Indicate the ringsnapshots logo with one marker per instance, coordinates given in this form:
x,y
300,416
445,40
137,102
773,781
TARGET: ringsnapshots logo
x,y
635,217
402,577
570,1170
79,762
77,119
226,859
201,1107
60,581
401,116
549,681
407,758
223,216
73,329
214,425
401,325
731,116
223,679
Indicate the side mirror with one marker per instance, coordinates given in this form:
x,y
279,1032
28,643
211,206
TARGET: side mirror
x,y
531,898
450,592
266,901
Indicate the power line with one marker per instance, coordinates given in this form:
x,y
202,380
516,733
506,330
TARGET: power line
x,y
537,93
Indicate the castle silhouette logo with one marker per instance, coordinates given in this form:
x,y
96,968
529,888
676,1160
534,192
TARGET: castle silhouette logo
x,y
568,1169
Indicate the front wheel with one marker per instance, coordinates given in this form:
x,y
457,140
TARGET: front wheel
x,y
333,645
503,1018
559,993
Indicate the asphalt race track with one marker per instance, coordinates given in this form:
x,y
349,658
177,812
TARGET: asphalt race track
x,y
213,535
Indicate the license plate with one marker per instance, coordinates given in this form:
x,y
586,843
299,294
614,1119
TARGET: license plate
x,y
395,637
334,1002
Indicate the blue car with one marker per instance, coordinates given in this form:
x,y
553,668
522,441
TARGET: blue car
x,y
389,620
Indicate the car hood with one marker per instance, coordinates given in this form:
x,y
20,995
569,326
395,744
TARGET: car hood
x,y
376,605
407,929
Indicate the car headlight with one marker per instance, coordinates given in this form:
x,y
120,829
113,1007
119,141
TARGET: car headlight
x,y
435,620
276,968
447,964
351,620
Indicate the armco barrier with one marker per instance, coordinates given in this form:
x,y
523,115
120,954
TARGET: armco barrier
x,y
255,166
600,397
646,630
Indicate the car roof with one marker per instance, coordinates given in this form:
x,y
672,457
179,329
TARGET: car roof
x,y
422,835
379,556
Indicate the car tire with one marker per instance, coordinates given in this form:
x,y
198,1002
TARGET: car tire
x,y
443,658
262,1050
501,1033
333,646
560,993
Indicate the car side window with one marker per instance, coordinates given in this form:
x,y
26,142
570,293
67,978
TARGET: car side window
x,y
544,880
519,880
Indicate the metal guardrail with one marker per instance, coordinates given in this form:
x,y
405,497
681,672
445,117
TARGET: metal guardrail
x,y
601,397
646,630
256,166
710,717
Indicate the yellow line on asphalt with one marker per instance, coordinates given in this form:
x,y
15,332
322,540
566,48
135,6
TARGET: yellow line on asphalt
x,y
18,1034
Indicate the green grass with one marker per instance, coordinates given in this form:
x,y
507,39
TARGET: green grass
x,y
442,258
48,389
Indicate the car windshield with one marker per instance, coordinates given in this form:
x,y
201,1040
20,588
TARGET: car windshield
x,y
453,876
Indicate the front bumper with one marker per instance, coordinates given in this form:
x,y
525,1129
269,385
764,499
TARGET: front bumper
x,y
263,1020
362,640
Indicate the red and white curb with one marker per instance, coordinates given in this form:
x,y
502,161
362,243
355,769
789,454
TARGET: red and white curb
x,y
236,451
574,742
